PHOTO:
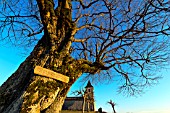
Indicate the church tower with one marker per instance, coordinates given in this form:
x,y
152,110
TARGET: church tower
x,y
82,103
89,97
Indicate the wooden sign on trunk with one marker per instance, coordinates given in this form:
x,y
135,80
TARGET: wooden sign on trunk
x,y
51,74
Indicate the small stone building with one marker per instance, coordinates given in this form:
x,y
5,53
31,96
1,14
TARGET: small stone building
x,y
76,103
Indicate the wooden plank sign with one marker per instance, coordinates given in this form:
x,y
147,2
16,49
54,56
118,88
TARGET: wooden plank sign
x,y
51,74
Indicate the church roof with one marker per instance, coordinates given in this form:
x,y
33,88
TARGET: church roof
x,y
89,84
73,103
74,98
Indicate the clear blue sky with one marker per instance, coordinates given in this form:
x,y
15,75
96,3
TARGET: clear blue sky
x,y
155,100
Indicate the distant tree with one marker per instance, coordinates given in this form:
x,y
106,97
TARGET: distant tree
x,y
113,105
125,40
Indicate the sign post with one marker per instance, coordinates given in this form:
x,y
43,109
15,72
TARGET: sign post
x,y
51,74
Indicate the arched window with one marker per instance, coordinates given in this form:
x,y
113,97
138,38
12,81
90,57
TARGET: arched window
x,y
89,90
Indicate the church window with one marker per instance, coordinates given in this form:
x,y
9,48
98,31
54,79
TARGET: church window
x,y
88,90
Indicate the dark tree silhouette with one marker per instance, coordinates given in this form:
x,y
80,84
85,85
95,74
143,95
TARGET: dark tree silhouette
x,y
113,105
122,39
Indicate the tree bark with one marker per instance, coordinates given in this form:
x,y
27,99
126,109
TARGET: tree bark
x,y
26,92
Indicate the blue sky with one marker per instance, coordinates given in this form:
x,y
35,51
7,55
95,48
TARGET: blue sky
x,y
156,99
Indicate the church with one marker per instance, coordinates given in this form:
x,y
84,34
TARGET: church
x,y
83,103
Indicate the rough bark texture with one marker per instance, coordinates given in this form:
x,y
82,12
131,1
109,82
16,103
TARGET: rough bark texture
x,y
26,92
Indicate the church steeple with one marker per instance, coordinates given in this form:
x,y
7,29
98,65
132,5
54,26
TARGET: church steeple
x,y
88,84
89,97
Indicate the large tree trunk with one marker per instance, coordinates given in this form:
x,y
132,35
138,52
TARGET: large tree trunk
x,y
27,92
